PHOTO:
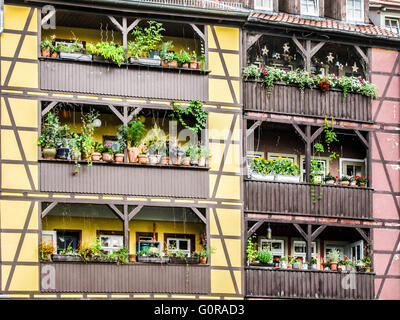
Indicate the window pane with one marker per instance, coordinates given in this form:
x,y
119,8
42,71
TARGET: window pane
x,y
183,245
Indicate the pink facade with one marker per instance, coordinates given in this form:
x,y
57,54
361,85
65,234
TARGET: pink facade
x,y
385,68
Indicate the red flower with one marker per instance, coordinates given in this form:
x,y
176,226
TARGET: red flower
x,y
286,71
345,258
337,177
330,259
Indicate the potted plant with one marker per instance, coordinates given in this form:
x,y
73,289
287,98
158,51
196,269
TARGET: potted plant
x,y
344,181
262,169
333,258
143,157
276,262
157,147
305,265
87,136
184,59
265,257
176,153
367,264
345,264
145,42
353,181
46,47
251,250
314,263
134,133
49,136
119,156
330,179
107,153
193,62
67,255
204,254
193,152
97,150
46,249
187,159
166,55
204,154
297,263
73,51
284,262
62,142
286,171
107,51
362,181
290,261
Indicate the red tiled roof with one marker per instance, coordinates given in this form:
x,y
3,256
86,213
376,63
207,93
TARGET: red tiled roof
x,y
325,23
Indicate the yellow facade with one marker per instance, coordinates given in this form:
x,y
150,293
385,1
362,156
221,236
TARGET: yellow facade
x,y
19,219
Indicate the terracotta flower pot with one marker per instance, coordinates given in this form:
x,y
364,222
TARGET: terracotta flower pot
x,y
185,65
176,161
96,156
153,159
193,65
186,161
198,65
165,160
173,64
334,266
119,157
75,155
330,182
49,153
107,157
143,159
133,154
202,162
54,54
344,183
132,258
289,266
46,52
203,260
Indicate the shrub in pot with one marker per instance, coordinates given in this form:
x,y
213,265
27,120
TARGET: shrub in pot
x,y
344,181
204,254
107,153
183,59
333,258
330,179
265,257
193,62
133,134
176,153
46,46
204,154
97,150
297,263
50,135
64,135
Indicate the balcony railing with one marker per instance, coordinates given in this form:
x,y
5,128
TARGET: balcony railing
x,y
308,284
129,278
125,179
99,78
285,99
298,199
207,4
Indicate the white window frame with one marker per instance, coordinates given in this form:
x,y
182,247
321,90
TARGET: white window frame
x,y
339,245
274,156
348,9
303,171
354,245
390,18
250,156
341,164
178,240
301,254
307,4
53,234
265,5
275,253
111,236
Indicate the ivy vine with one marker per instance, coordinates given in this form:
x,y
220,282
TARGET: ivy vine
x,y
193,117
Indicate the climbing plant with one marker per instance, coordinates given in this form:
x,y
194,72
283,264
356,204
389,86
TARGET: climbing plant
x,y
193,117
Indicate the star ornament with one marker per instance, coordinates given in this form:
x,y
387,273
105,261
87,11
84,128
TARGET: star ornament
x,y
355,68
330,57
277,55
286,47
341,66
264,51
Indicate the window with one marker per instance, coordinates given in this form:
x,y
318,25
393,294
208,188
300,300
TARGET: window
x,y
357,250
300,249
250,156
111,243
263,5
277,247
323,164
339,248
352,167
392,24
355,10
50,237
179,244
66,238
309,8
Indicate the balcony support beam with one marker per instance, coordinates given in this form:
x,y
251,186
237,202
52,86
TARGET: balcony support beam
x,y
124,28
199,215
48,209
253,127
254,228
198,31
309,51
364,235
49,107
134,212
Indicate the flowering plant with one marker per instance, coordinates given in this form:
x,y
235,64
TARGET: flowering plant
x,y
285,167
277,260
261,165
298,260
107,148
362,179
46,249
329,177
324,84
313,260
345,261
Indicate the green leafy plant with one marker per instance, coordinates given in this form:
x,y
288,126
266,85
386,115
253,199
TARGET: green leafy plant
x,y
87,136
193,117
107,148
49,137
183,57
165,52
264,256
135,132
251,250
333,255
108,50
145,39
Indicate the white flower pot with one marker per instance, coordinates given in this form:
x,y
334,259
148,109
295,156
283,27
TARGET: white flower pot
x,y
290,179
314,267
305,266
260,177
76,56
283,265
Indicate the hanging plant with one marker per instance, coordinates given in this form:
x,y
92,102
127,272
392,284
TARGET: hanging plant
x,y
193,117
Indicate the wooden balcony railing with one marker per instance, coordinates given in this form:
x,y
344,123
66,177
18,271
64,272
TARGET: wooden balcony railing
x,y
285,99
129,278
98,78
308,284
297,199
125,179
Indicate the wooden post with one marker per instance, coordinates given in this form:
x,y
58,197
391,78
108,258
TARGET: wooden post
x,y
308,153
309,244
126,227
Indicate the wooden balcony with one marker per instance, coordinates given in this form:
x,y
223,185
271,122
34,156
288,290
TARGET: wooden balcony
x,y
308,284
124,179
128,278
285,99
97,78
297,199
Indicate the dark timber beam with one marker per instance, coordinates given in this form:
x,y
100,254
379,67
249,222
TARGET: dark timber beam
x,y
134,212
254,228
124,28
308,153
116,211
49,107
198,31
300,230
198,214
253,127
363,235
309,51
48,209
317,232
362,139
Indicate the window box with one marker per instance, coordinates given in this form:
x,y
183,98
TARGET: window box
x,y
289,179
65,258
76,56
146,259
186,260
